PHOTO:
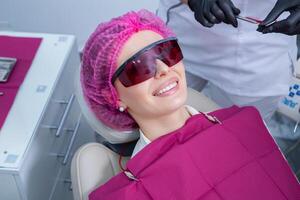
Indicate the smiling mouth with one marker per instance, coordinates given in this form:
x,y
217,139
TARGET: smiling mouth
x,y
167,89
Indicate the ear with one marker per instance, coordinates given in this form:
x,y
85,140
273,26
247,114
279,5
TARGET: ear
x,y
121,104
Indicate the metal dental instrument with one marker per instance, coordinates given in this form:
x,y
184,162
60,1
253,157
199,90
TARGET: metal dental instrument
x,y
253,20
248,19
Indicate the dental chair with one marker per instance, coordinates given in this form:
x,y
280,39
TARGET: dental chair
x,y
95,163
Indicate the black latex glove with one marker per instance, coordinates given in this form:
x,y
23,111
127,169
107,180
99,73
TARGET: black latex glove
x,y
288,26
211,12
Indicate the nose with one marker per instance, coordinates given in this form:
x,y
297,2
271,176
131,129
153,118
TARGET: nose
x,y
161,69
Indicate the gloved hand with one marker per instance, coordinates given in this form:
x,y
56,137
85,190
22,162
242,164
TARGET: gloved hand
x,y
290,25
211,12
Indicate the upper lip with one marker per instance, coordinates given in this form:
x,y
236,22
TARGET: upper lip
x,y
165,84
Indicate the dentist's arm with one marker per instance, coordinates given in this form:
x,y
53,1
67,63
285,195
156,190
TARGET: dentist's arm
x,y
288,26
211,12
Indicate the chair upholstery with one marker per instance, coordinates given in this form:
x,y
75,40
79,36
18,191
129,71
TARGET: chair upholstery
x,y
92,165
110,135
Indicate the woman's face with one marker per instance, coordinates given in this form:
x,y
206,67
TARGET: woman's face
x,y
163,94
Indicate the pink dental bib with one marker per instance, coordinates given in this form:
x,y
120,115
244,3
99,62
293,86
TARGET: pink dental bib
x,y
234,160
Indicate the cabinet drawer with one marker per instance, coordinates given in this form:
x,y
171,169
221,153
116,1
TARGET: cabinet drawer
x,y
63,187
63,118
61,100
62,112
8,188
62,190
47,156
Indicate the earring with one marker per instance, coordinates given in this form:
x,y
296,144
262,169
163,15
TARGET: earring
x,y
121,109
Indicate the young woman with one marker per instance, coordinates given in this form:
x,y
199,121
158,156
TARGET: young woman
x,y
133,77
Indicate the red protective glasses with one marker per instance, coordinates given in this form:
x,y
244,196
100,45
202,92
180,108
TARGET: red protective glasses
x,y
142,66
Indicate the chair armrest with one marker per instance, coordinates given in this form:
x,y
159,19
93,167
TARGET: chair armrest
x,y
92,165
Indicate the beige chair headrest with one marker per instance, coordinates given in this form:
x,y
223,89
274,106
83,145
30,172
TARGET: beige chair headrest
x,y
111,135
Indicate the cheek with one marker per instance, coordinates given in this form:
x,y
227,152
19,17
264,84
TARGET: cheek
x,y
135,96
180,70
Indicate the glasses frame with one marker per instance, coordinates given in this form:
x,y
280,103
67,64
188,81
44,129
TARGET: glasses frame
x,y
136,55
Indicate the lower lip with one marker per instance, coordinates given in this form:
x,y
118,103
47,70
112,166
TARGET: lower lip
x,y
170,92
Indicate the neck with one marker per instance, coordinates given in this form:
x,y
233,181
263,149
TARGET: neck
x,y
156,127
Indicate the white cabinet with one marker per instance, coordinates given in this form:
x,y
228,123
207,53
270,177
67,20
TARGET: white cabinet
x,y
44,126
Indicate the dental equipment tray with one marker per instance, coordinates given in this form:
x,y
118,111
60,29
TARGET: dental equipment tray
x,y
6,66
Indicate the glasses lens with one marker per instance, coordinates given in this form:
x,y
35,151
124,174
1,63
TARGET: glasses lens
x,y
143,67
138,70
171,54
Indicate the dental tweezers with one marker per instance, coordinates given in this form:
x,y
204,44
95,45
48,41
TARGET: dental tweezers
x,y
253,20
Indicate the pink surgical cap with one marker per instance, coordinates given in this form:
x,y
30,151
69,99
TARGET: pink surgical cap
x,y
99,62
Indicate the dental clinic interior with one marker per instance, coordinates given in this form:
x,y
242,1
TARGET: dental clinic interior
x,y
48,131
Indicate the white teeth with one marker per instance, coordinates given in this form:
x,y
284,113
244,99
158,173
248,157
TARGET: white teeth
x,y
169,87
